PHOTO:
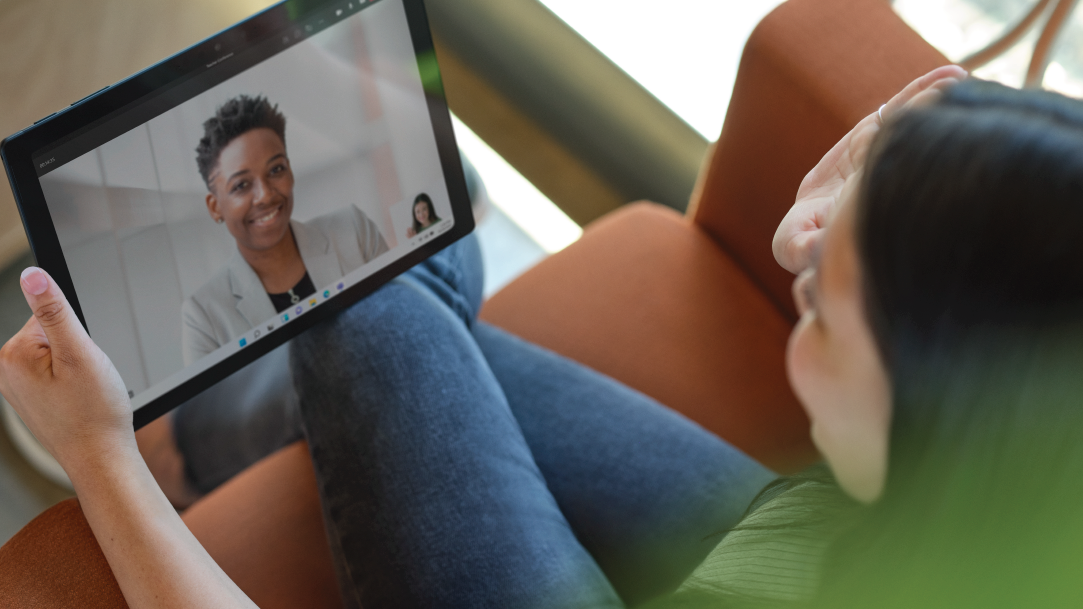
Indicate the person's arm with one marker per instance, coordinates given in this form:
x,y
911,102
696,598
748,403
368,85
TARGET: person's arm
x,y
158,446
802,228
72,399
156,441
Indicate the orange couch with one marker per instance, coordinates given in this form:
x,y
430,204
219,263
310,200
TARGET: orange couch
x,y
690,309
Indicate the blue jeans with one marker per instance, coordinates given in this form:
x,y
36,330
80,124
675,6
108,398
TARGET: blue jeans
x,y
459,466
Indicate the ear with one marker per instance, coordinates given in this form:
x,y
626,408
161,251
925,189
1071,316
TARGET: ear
x,y
212,207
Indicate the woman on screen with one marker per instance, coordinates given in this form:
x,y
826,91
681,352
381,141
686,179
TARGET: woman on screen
x,y
243,161
424,215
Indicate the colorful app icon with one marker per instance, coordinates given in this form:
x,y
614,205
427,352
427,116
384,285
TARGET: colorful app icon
x,y
327,293
285,317
312,302
341,285
243,342
298,310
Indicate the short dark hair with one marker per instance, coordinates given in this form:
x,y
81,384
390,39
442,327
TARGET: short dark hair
x,y
232,120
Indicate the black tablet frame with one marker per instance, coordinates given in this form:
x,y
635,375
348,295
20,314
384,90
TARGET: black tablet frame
x,y
18,152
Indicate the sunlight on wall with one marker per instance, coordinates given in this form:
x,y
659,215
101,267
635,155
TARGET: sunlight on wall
x,y
532,211
685,52
1058,79
958,27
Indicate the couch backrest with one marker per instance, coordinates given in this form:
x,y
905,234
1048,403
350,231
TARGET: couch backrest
x,y
810,71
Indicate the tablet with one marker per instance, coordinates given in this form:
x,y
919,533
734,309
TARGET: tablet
x,y
204,211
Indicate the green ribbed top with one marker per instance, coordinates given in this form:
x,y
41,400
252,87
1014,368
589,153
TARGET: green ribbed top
x,y
774,555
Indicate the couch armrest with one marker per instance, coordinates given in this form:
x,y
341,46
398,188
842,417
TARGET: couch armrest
x,y
264,528
810,71
55,561
649,299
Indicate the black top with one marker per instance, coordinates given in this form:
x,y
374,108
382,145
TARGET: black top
x,y
303,289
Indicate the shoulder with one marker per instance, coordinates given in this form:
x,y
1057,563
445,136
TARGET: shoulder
x,y
348,217
215,290
352,234
775,553
203,317
208,308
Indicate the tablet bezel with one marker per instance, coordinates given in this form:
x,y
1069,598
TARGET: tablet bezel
x,y
18,151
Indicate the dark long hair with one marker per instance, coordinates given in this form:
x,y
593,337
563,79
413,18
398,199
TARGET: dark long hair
x,y
433,219
970,236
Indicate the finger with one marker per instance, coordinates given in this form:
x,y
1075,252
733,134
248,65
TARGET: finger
x,y
20,352
32,331
924,82
932,93
53,313
802,248
32,345
943,73
24,348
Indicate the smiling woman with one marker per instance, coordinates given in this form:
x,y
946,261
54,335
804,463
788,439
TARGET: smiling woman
x,y
424,215
243,161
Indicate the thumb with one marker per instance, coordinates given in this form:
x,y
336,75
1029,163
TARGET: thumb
x,y
53,312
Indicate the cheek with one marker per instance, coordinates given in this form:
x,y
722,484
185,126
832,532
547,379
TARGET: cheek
x,y
234,207
285,185
234,210
815,384
804,363
847,398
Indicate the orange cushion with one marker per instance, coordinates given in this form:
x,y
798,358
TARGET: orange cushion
x,y
649,299
265,528
55,562
810,71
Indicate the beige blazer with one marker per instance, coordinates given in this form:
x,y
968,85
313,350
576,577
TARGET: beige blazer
x,y
233,301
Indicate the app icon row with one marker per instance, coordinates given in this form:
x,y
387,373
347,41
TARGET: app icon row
x,y
286,315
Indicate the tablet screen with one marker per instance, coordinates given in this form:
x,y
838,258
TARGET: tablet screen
x,y
180,218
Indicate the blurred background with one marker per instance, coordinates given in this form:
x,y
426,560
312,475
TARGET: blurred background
x,y
567,109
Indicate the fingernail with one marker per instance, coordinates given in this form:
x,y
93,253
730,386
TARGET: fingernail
x,y
34,281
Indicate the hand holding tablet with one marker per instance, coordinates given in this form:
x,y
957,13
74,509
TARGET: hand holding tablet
x,y
73,400
63,387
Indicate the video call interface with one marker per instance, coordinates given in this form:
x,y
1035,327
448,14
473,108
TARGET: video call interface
x,y
177,233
